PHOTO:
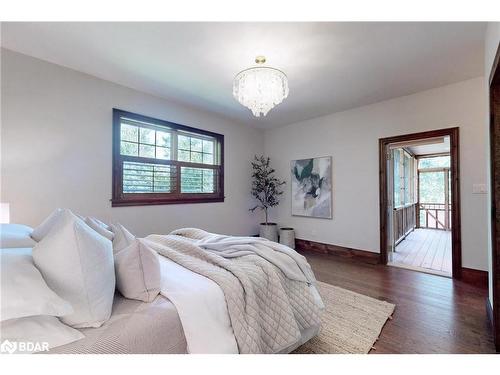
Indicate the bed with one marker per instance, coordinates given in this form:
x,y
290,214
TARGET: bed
x,y
190,315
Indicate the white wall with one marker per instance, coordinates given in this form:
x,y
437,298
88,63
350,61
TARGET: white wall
x,y
492,40
56,150
351,137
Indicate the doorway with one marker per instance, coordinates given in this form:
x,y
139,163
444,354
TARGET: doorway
x,y
419,202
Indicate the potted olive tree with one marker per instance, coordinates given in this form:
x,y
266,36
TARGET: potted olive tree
x,y
266,189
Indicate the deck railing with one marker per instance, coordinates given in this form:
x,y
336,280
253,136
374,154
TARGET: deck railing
x,y
404,221
434,215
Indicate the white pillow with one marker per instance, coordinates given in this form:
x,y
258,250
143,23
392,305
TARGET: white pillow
x,y
101,223
37,333
77,263
44,228
23,290
137,271
95,225
123,237
15,235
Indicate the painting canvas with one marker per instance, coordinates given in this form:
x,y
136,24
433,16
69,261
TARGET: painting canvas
x,y
312,187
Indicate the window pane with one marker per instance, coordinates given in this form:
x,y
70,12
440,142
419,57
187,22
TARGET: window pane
x,y
147,136
406,179
128,148
183,155
208,147
183,142
147,151
432,187
197,180
147,178
435,162
196,144
208,181
129,133
208,159
397,179
196,157
163,139
163,153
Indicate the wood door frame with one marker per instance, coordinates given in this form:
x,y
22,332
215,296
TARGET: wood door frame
x,y
456,243
494,98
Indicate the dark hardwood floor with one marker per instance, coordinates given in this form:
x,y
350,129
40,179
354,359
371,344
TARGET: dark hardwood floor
x,y
434,314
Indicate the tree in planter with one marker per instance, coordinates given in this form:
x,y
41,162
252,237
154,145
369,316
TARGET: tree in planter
x,y
266,188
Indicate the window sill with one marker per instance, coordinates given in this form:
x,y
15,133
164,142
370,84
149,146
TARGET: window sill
x,y
152,202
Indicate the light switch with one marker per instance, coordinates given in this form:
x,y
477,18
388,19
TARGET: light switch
x,y
479,189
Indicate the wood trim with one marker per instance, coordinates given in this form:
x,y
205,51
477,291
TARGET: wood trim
x,y
475,277
494,98
176,196
489,315
455,186
344,252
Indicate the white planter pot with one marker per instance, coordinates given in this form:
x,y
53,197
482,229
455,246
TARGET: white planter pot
x,y
287,237
269,231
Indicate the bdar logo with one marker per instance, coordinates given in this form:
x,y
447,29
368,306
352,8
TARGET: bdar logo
x,y
8,347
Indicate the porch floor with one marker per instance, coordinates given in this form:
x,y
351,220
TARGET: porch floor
x,y
427,250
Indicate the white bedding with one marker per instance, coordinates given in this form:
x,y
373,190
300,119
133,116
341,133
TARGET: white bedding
x,y
202,309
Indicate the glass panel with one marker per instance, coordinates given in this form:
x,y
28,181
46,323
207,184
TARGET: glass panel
x,y
208,147
147,136
183,142
196,157
163,153
397,188
435,162
196,144
128,148
431,187
208,159
208,180
183,156
147,178
407,179
146,151
197,180
129,133
163,139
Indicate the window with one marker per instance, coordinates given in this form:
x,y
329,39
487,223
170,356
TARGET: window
x,y
434,162
404,178
159,162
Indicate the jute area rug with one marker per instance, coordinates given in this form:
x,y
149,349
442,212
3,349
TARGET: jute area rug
x,y
352,322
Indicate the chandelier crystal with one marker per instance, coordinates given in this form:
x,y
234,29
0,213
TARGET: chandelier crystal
x,y
260,88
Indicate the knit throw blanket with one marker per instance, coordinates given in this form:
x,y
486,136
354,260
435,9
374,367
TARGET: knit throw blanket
x,y
267,288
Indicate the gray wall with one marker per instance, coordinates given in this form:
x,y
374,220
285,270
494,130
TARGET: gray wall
x,y
56,150
351,138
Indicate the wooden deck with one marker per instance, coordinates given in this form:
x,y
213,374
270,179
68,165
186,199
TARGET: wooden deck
x,y
428,250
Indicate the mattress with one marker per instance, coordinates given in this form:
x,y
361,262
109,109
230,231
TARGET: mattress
x,y
143,328
135,327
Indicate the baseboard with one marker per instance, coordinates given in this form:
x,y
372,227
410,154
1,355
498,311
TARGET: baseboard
x,y
344,252
475,277
489,313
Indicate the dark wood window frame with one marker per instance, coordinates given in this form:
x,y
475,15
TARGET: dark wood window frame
x,y
456,236
120,198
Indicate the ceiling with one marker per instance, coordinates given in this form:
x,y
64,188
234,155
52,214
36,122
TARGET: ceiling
x,y
330,66
440,147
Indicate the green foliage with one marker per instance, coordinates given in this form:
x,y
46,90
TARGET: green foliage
x,y
266,188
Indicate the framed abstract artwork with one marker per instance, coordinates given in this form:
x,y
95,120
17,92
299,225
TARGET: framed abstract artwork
x,y
311,183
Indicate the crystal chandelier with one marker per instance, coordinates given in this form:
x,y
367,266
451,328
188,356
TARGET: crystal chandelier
x,y
260,88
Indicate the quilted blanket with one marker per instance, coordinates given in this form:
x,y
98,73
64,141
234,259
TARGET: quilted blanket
x,y
267,309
